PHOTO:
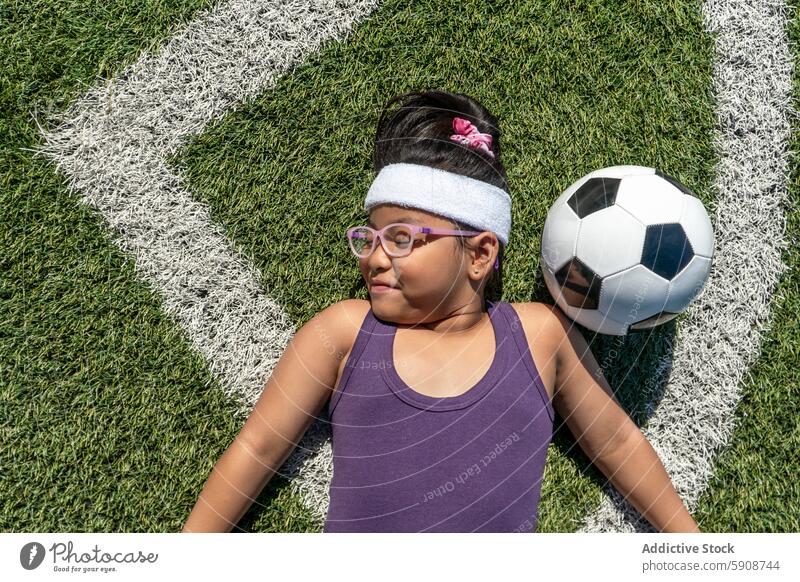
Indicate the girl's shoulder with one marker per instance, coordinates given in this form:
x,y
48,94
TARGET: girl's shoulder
x,y
544,324
348,318
350,315
538,317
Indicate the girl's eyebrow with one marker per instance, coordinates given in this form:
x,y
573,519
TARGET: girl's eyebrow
x,y
401,219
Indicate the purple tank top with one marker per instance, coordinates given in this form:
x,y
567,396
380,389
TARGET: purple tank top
x,y
404,461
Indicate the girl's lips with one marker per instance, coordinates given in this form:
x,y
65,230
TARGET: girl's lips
x,y
380,288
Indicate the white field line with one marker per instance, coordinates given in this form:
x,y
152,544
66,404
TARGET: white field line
x,y
112,145
113,142
720,337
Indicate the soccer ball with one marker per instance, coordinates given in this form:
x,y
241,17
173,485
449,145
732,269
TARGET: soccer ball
x,y
626,248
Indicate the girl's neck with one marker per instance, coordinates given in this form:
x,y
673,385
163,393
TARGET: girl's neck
x,y
463,319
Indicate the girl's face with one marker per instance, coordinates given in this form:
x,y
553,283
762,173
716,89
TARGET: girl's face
x,y
436,278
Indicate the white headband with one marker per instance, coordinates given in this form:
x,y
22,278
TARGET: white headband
x,y
474,202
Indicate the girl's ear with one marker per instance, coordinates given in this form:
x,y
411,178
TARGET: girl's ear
x,y
485,250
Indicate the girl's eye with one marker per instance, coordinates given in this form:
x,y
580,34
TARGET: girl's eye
x,y
400,236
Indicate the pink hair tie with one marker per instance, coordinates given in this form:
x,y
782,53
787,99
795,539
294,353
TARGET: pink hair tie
x,y
468,135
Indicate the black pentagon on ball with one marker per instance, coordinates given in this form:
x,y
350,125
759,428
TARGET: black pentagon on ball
x,y
580,286
594,195
666,249
676,183
653,321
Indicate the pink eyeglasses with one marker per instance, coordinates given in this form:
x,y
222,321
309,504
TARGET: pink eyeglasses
x,y
397,238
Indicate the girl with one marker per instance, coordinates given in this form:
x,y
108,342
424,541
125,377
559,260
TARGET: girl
x,y
441,402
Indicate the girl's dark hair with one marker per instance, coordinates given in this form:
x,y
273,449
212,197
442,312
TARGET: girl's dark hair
x,y
419,130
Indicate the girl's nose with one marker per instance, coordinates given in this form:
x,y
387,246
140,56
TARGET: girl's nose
x,y
379,257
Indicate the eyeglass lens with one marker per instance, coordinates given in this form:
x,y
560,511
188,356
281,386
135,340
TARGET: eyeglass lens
x,y
397,240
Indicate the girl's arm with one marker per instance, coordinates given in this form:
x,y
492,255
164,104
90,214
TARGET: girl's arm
x,y
608,436
299,386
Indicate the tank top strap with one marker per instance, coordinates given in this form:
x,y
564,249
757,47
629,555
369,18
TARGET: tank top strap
x,y
365,333
523,348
